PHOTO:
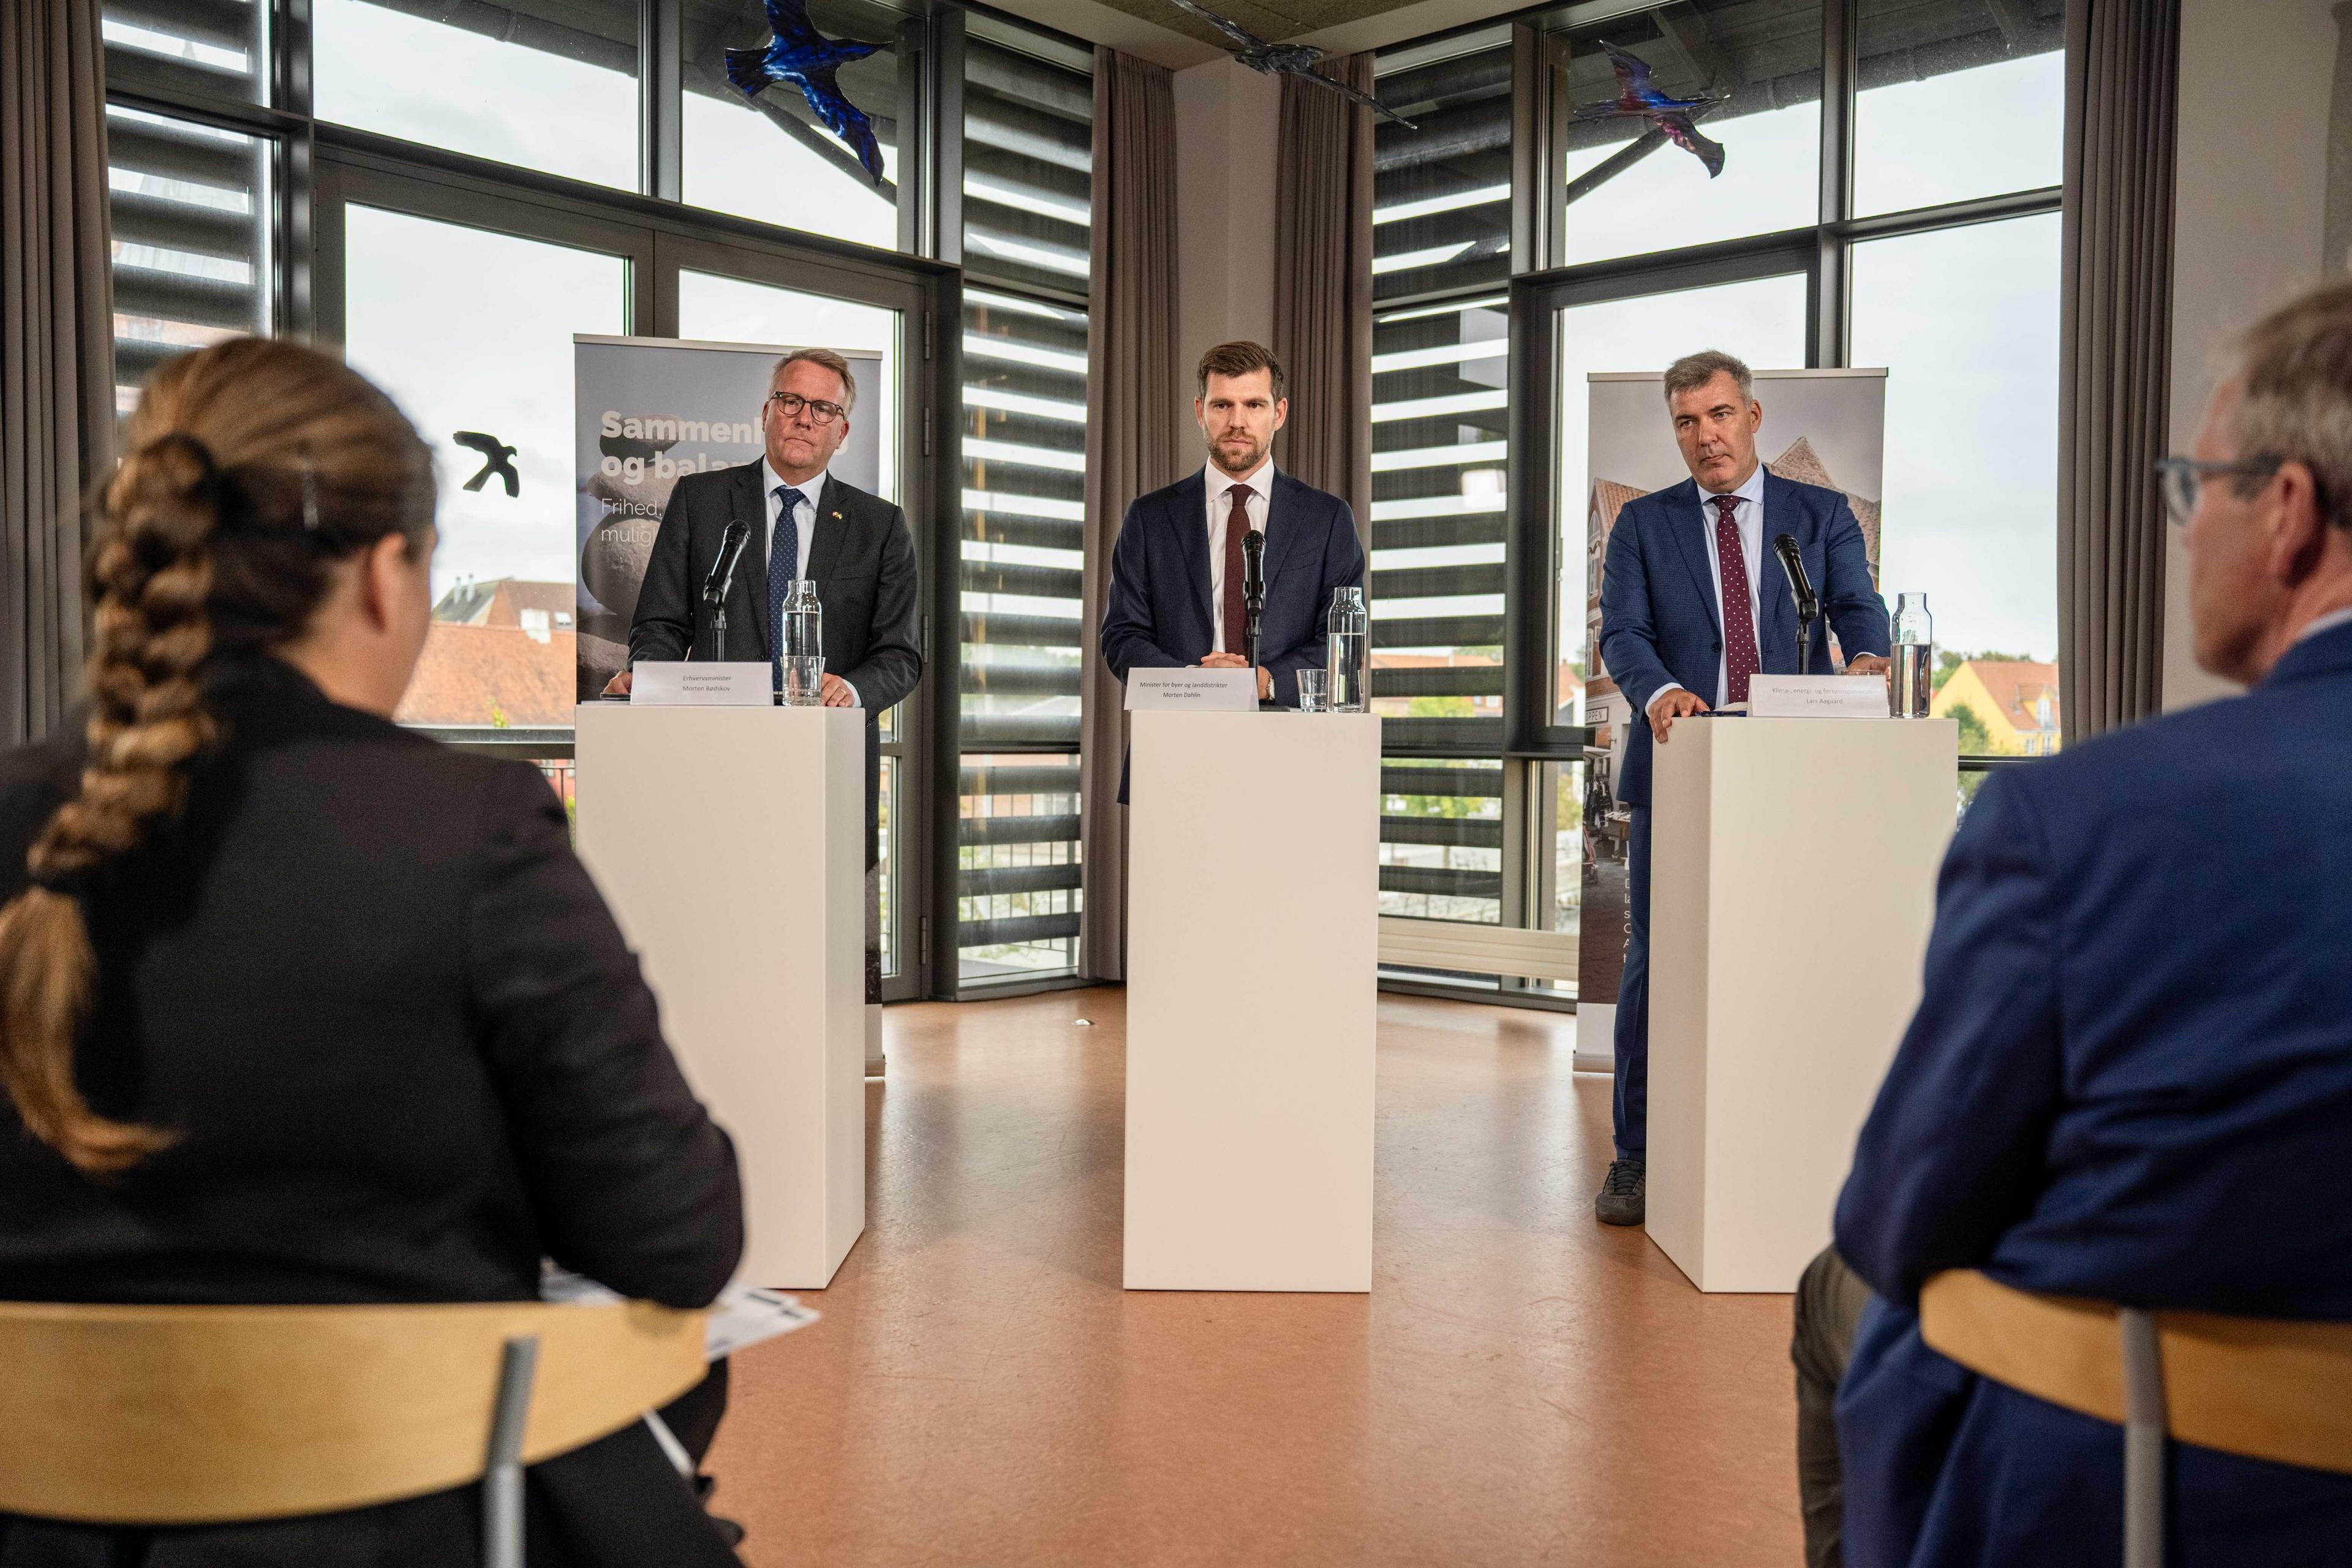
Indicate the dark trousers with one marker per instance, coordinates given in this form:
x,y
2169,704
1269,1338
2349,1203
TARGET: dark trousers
x,y
1829,1302
1632,1092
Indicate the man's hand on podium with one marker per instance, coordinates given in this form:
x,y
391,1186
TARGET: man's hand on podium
x,y
1235,661
837,693
1669,705
1870,664
618,685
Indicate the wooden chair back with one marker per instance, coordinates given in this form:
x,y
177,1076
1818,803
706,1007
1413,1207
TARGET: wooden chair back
x,y
162,1415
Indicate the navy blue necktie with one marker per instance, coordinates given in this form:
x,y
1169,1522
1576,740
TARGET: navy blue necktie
x,y
783,566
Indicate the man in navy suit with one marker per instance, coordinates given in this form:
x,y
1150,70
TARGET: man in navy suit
x,y
2130,1075
1677,644
1175,595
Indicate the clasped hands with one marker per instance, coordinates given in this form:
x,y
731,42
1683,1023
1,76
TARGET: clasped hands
x,y
1680,702
1235,661
836,692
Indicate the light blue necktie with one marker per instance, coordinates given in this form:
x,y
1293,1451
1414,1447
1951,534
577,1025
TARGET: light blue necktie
x,y
783,566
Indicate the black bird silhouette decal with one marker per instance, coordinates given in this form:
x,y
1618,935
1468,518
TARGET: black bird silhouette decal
x,y
497,458
1638,99
1286,59
801,55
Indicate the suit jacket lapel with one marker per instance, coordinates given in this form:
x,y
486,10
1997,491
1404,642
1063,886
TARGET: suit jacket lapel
x,y
1192,539
1687,526
1281,519
833,504
747,601
1776,617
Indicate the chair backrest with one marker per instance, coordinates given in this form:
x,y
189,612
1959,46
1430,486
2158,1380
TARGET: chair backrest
x,y
198,1415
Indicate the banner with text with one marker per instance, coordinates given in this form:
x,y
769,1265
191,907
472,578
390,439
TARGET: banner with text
x,y
647,411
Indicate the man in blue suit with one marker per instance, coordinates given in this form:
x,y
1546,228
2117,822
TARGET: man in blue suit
x,y
1175,595
2130,1076
1677,644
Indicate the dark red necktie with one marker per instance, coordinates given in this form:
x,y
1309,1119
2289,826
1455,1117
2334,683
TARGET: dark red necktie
x,y
1739,659
1236,524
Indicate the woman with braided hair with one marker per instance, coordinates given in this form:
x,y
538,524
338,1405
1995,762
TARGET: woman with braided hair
x,y
296,1007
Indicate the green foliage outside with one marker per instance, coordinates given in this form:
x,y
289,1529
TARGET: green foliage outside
x,y
1976,737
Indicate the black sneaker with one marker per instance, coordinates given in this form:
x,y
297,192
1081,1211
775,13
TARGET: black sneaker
x,y
1619,1202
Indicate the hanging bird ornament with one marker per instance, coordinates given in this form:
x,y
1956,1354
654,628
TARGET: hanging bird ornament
x,y
801,56
1286,59
1638,99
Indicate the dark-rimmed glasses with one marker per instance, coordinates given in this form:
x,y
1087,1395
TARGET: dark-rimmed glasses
x,y
2184,481
819,411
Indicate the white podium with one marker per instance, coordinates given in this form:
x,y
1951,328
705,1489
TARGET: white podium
x,y
1252,952
1792,882
731,845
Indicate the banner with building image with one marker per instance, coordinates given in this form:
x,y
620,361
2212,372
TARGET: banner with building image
x,y
1825,428
649,410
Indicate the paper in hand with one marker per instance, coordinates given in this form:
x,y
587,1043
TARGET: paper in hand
x,y
743,1316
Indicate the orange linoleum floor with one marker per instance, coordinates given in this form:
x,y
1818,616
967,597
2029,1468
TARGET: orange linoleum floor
x,y
1521,1386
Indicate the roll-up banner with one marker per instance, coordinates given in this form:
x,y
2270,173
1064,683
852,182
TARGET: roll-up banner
x,y
647,411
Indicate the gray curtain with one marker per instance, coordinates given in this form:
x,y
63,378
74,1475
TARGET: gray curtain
x,y
1131,397
56,346
1323,284
2115,359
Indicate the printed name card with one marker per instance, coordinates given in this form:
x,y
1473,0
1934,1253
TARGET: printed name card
x,y
679,684
1192,690
1817,697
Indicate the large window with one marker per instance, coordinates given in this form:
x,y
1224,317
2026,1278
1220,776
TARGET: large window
x,y
1028,119
543,84
1441,187
1960,98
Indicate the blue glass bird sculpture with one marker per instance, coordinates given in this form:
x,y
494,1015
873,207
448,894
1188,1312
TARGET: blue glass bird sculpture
x,y
1285,59
1638,98
799,54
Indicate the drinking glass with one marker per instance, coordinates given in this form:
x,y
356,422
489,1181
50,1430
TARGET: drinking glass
x,y
1314,691
804,680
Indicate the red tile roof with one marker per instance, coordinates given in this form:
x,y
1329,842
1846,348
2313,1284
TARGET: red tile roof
x,y
482,675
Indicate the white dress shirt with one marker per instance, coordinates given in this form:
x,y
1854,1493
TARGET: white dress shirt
x,y
2326,623
1748,517
1221,508
804,525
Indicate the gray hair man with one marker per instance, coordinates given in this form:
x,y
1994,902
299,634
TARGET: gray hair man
x,y
1679,641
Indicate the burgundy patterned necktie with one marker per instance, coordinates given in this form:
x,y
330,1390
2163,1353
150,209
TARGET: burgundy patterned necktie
x,y
1739,659
1236,524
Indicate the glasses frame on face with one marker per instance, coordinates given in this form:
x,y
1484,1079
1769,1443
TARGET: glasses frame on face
x,y
821,413
2184,481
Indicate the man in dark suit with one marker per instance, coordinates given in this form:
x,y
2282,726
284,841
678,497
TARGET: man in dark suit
x,y
1175,595
1678,641
2129,1080
804,522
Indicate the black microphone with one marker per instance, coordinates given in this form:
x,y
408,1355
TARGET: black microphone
x,y
722,570
1809,608
1254,568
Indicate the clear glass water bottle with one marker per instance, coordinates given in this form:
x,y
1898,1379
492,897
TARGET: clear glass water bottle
x,y
1915,656
804,647
1347,651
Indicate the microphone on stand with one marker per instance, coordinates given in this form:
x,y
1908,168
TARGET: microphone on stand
x,y
722,578
1809,608
1253,586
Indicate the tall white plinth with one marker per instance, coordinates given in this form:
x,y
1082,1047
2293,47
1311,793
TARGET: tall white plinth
x,y
1253,956
1793,883
731,843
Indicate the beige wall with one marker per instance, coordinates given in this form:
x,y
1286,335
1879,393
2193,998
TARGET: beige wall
x,y
1227,118
2249,215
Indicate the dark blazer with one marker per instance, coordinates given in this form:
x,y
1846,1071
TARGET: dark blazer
x,y
405,1055
1156,612
2129,1079
862,558
1660,621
